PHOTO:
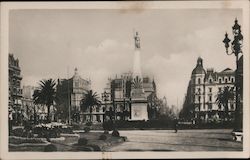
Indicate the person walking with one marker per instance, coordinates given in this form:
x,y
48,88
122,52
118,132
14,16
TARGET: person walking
x,y
176,125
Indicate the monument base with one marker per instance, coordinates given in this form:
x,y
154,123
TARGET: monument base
x,y
139,111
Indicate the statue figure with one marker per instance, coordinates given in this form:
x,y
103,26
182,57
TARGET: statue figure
x,y
137,41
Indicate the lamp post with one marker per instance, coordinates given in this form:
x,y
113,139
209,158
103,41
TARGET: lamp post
x,y
236,46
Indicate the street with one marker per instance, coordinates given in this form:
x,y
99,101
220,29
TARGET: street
x,y
184,140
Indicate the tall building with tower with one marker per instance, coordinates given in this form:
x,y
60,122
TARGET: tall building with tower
x,y
71,92
204,86
15,90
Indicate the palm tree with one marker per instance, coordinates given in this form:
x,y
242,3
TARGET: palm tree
x,y
224,97
45,94
90,99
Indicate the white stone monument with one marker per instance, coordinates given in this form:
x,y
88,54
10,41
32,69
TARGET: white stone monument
x,y
139,100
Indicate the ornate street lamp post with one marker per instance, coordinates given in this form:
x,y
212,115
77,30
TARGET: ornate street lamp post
x,y
236,46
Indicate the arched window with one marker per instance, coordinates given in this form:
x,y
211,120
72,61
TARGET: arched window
x,y
210,80
199,81
219,80
232,80
225,80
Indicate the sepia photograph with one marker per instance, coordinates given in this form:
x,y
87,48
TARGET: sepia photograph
x,y
112,80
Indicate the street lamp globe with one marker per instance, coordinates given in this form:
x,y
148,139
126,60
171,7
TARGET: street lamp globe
x,y
226,42
236,28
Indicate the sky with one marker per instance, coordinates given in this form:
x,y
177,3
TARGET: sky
x,y
51,43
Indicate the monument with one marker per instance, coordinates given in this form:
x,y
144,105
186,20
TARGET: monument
x,y
138,98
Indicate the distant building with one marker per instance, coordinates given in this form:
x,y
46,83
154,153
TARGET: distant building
x,y
15,91
118,95
30,109
203,88
71,92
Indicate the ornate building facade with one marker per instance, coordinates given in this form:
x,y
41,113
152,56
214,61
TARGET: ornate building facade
x,y
117,98
71,92
15,90
205,85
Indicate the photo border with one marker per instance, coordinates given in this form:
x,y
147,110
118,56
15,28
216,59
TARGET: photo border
x,y
127,5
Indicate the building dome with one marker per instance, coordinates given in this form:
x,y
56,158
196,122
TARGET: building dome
x,y
199,67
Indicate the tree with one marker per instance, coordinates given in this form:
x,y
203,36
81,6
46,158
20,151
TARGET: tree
x,y
224,97
89,100
45,94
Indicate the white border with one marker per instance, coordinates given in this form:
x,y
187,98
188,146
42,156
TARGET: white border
x,y
6,6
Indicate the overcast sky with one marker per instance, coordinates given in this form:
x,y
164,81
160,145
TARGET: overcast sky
x,y
100,44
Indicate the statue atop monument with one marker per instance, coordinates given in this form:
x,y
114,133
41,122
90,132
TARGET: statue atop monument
x,y
137,41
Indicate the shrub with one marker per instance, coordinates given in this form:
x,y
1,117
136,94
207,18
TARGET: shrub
x,y
106,132
19,132
82,141
67,130
83,148
50,148
86,129
95,147
108,125
17,140
103,137
89,124
115,133
27,125
76,127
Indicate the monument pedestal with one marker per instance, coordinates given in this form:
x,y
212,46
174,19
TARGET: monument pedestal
x,y
139,111
139,105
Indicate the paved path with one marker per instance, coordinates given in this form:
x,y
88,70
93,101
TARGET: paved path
x,y
184,140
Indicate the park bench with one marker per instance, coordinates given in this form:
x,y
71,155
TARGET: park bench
x,y
237,136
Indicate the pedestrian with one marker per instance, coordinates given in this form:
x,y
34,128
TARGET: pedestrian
x,y
176,125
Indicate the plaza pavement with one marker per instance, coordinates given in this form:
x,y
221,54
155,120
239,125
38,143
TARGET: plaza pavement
x,y
184,140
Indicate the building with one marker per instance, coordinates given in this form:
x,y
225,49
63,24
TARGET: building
x,y
71,92
15,91
204,86
30,109
117,97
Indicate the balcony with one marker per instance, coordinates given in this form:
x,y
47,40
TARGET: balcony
x,y
17,76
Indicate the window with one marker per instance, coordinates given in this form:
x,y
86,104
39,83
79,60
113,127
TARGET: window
x,y
232,79
210,98
225,80
210,89
210,80
219,89
220,80
199,98
199,81
76,84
